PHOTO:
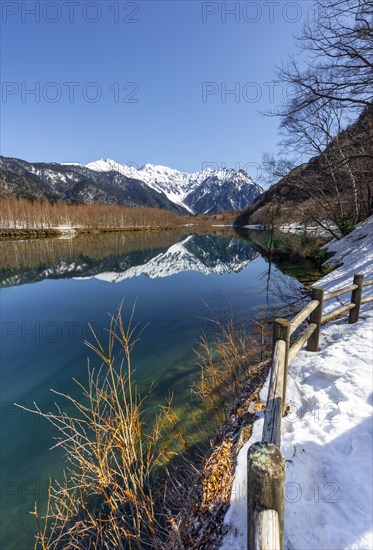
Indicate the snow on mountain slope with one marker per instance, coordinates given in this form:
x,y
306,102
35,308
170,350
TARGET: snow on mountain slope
x,y
223,190
172,183
77,183
109,182
188,189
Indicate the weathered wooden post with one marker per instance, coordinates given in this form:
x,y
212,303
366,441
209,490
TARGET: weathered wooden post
x,y
353,316
281,331
315,317
275,405
267,533
265,491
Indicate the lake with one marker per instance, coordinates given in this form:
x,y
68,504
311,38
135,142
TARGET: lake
x,y
52,288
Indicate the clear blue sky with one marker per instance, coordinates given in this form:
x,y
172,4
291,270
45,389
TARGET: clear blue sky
x,y
167,50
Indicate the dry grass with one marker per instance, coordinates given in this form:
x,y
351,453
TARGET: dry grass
x,y
234,365
206,500
224,361
120,483
111,496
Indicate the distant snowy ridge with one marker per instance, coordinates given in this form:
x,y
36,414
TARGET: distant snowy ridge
x,y
174,184
109,182
186,189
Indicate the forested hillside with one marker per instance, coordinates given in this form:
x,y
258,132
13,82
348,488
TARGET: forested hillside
x,y
334,189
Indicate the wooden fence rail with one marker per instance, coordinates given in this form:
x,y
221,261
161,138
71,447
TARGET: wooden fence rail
x,y
265,462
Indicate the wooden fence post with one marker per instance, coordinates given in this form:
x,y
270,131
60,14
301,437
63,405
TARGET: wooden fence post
x,y
267,530
315,317
353,316
265,487
281,331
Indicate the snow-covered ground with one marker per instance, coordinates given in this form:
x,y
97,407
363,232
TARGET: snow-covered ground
x,y
255,226
327,437
313,229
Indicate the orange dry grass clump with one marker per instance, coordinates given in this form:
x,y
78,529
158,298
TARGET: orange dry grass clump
x,y
110,497
225,363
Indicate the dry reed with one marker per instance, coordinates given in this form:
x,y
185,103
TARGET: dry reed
x,y
111,497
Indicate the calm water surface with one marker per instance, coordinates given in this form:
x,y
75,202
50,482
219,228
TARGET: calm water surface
x,y
51,289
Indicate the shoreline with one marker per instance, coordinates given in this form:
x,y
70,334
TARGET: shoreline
x,y
201,519
208,516
20,233
7,234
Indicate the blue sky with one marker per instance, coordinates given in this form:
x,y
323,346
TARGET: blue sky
x,y
144,81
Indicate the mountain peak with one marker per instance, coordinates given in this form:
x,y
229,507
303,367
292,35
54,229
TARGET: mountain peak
x,y
106,180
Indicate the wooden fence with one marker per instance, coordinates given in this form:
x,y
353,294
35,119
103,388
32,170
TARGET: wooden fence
x,y
265,462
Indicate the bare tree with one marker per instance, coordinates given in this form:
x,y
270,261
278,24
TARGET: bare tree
x,y
327,92
275,168
22,213
337,43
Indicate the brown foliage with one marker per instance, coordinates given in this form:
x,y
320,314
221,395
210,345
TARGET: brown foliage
x,y
23,213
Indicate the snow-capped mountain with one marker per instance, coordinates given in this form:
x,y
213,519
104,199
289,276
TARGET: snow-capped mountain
x,y
109,182
207,191
78,184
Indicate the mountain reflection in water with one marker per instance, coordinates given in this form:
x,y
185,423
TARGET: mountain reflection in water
x,y
188,282
118,256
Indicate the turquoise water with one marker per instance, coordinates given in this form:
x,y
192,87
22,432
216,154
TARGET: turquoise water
x,y
50,291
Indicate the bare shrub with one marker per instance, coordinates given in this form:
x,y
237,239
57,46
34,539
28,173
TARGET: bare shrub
x,y
112,496
225,362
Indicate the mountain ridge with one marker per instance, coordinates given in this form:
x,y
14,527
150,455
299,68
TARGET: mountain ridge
x,y
106,181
